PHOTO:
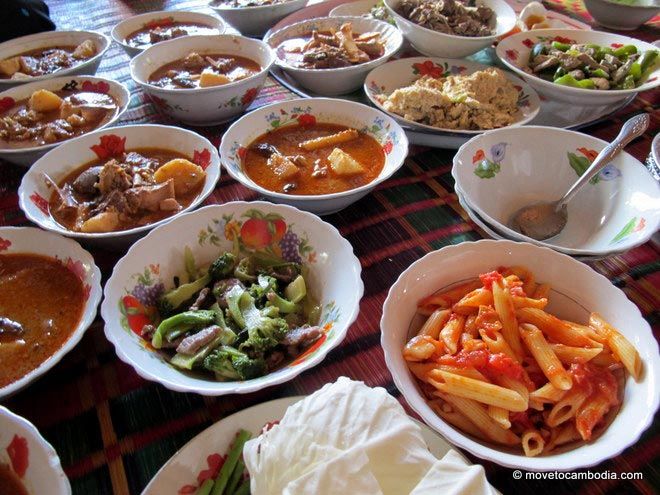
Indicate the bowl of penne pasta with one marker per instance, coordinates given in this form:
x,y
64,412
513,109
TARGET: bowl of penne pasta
x,y
521,355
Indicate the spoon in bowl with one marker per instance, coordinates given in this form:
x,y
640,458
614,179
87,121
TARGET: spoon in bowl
x,y
542,221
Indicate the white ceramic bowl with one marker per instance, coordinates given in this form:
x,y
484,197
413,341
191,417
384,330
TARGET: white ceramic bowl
x,y
203,106
655,149
128,26
395,74
375,123
621,16
356,8
576,290
35,241
344,79
255,21
33,192
434,44
334,279
503,170
27,156
55,38
44,473
514,51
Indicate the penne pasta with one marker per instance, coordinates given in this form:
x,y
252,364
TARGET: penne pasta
x,y
542,291
451,332
421,347
545,357
496,343
569,355
512,383
532,443
469,304
587,331
504,307
421,370
448,298
500,415
434,323
471,326
331,140
458,420
590,414
567,407
548,393
621,347
528,302
468,372
553,327
562,435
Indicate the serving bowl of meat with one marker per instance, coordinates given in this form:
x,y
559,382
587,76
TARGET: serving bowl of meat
x,y
451,28
585,68
139,32
203,80
110,186
232,298
255,17
36,117
333,55
50,54
316,154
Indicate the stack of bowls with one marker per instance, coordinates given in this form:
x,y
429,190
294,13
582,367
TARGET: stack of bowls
x,y
501,171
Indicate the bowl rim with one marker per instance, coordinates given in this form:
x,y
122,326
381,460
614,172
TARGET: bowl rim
x,y
626,6
491,452
499,33
121,88
106,42
55,463
114,33
208,188
243,178
86,319
523,238
138,59
239,387
505,43
253,8
392,31
440,130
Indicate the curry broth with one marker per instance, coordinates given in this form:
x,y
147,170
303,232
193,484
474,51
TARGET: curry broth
x,y
40,53
47,300
365,149
141,38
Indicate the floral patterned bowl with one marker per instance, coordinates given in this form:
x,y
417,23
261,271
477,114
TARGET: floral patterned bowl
x,y
343,80
257,19
27,156
33,193
308,111
203,106
30,456
500,171
514,53
76,259
150,265
383,80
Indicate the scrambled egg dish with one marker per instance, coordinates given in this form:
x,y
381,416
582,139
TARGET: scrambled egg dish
x,y
483,100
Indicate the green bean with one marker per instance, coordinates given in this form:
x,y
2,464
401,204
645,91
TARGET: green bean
x,y
628,82
558,45
559,72
567,80
602,51
625,51
244,489
236,477
538,49
586,84
230,463
635,71
647,60
599,73
205,488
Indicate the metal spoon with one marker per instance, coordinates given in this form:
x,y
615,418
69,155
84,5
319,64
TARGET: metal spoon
x,y
544,220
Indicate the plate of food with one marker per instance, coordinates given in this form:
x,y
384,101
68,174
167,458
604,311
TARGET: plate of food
x,y
255,17
344,437
544,372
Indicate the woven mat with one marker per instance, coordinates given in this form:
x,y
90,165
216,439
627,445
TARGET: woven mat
x,y
113,430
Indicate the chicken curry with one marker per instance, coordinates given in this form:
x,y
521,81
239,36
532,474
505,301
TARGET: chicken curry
x,y
44,61
155,32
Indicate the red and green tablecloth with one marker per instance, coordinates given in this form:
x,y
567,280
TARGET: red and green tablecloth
x,y
113,430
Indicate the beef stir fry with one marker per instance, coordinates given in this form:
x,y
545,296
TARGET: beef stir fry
x,y
449,16
333,49
590,66
49,117
45,60
203,70
152,34
136,188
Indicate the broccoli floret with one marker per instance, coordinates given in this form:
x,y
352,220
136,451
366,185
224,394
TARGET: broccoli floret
x,y
223,266
245,270
264,285
219,362
230,363
172,300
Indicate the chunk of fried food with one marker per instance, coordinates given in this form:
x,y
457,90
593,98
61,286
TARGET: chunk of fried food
x,y
282,166
209,78
331,140
84,50
106,221
344,164
43,100
10,66
186,175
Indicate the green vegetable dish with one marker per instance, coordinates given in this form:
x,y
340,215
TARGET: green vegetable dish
x,y
238,319
590,66
232,478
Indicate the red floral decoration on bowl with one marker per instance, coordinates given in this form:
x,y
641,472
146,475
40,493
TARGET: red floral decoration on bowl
x,y
202,158
110,145
40,202
99,87
4,244
249,96
428,68
306,119
19,455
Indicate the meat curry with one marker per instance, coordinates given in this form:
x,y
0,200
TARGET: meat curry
x,y
204,70
42,61
313,159
133,189
155,32
31,333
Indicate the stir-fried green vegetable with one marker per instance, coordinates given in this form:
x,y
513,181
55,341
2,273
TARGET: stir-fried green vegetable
x,y
230,479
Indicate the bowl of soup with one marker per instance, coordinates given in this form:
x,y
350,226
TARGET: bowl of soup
x,y
62,287
333,55
203,80
50,54
111,186
28,463
316,154
139,32
255,17
37,117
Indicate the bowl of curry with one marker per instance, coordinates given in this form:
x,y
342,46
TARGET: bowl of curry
x,y
203,80
63,286
36,117
317,154
110,186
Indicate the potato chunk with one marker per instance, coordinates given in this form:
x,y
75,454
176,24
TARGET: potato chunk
x,y
84,50
106,221
208,77
43,100
344,164
282,166
185,174
10,66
